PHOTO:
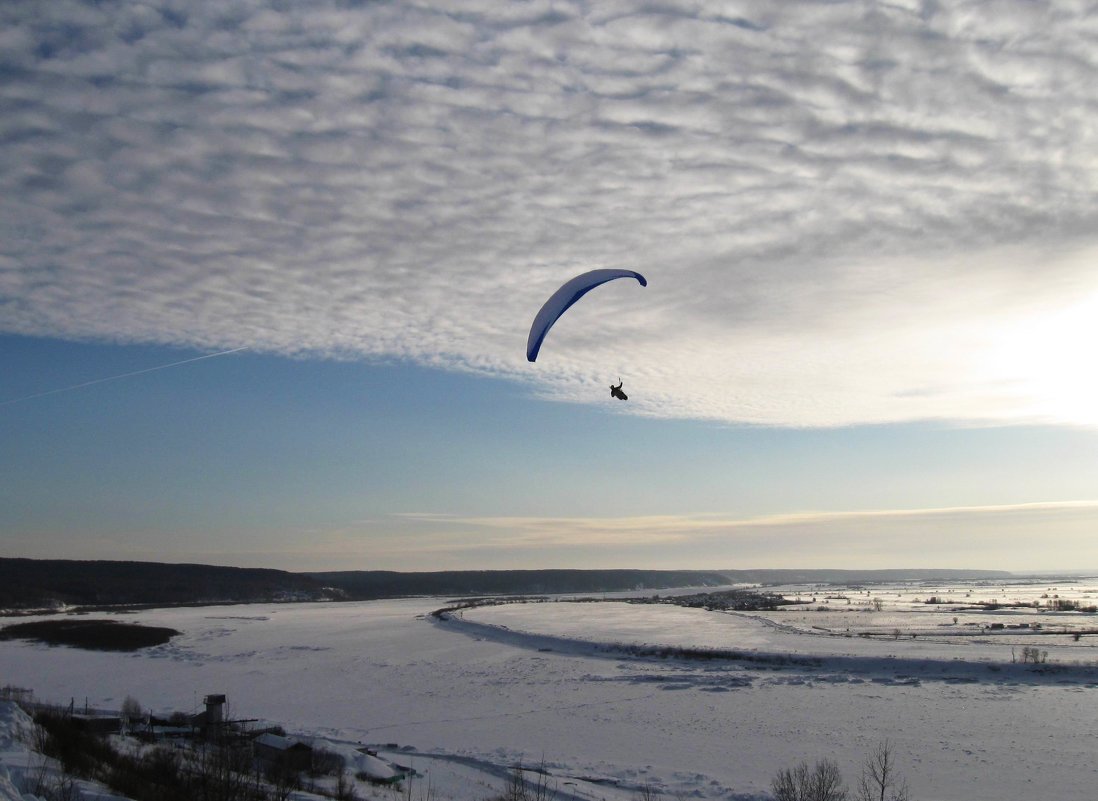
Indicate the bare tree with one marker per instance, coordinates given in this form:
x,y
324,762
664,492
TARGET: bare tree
x,y
131,711
822,783
131,707
427,794
345,788
282,781
880,779
52,785
223,772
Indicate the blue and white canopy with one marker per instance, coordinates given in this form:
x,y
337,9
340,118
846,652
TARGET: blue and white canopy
x,y
563,298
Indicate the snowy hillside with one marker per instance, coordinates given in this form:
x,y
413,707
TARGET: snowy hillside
x,y
16,760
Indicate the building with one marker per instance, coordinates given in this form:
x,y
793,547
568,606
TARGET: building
x,y
277,750
97,724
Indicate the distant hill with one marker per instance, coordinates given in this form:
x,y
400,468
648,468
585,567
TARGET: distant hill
x,y
369,584
40,583
812,576
37,583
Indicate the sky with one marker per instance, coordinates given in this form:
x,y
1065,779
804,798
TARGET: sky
x,y
267,271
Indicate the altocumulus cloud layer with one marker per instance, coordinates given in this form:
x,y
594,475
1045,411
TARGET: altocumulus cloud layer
x,y
848,212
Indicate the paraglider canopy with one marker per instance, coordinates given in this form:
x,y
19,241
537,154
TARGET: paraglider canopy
x,y
564,297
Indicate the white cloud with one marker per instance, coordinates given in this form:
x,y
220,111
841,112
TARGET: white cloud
x,y
1018,537
845,211
1023,538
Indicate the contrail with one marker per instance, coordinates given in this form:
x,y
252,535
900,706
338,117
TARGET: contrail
x,y
122,375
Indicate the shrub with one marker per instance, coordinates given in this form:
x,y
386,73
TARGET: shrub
x,y
822,783
1034,655
518,788
77,750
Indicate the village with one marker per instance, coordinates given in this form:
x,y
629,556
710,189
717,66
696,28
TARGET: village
x,y
208,754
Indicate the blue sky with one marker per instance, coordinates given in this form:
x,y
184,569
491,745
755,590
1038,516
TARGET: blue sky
x,y
318,464
867,338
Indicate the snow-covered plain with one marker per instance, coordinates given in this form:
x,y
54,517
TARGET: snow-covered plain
x,y
463,700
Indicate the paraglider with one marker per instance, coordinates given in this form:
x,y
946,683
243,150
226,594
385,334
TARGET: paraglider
x,y
563,298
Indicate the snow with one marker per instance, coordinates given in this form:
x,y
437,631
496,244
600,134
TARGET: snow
x,y
275,741
463,701
16,755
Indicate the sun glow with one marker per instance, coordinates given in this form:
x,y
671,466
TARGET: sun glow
x,y
1048,361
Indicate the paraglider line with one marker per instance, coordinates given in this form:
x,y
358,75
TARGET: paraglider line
x,y
122,375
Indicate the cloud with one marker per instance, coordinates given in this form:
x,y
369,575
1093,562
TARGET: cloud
x,y
1011,536
1024,538
845,212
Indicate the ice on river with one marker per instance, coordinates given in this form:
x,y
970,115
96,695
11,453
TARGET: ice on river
x,y
464,700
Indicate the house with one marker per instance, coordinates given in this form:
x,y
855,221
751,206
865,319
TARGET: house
x,y
277,750
97,724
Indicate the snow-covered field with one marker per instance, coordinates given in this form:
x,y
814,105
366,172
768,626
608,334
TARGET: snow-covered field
x,y
463,700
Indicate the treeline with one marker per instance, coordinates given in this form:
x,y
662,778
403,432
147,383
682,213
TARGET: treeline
x,y
38,583
849,577
371,584
94,635
739,600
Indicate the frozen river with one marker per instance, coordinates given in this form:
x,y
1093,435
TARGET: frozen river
x,y
545,682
